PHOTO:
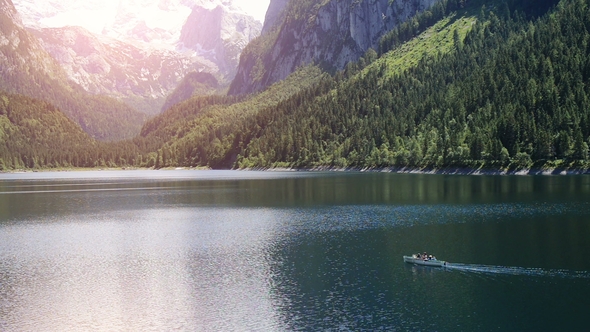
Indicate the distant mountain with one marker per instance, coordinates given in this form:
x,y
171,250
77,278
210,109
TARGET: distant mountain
x,y
26,68
219,34
101,65
153,23
193,84
139,50
330,33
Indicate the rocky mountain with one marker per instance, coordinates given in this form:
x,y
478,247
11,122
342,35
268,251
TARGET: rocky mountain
x,y
102,65
219,34
26,68
19,50
274,15
330,33
139,50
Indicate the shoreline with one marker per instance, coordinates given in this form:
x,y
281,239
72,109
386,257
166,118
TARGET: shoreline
x,y
434,171
398,170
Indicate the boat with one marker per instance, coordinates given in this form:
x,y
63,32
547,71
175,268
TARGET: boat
x,y
426,260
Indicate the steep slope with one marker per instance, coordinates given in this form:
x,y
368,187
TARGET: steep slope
x,y
504,92
26,68
330,33
139,50
211,131
193,84
19,51
219,35
464,85
121,70
275,15
35,134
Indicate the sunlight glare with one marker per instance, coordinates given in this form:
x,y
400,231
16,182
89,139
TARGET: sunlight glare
x,y
96,15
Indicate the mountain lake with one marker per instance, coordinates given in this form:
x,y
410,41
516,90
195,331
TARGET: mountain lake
x,y
292,251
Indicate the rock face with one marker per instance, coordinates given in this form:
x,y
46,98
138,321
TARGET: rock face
x,y
274,15
139,50
20,52
219,34
7,8
143,78
26,68
330,33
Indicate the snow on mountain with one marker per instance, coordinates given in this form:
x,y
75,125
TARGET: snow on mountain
x,y
156,22
164,40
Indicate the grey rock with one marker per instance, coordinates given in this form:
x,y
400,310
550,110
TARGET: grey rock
x,y
332,35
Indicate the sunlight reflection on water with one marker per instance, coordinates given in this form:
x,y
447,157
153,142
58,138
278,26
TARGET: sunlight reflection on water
x,y
143,273
302,253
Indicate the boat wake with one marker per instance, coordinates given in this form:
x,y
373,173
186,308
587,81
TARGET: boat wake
x,y
519,271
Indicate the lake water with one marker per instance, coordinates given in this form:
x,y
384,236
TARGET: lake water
x,y
292,251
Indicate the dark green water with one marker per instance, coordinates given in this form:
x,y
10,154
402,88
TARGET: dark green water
x,y
292,251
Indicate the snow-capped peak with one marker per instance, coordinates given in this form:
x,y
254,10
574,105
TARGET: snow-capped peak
x,y
158,22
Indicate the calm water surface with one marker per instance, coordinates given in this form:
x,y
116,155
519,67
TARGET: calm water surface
x,y
292,251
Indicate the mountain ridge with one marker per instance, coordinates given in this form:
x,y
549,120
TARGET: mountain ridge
x,y
138,59
462,85
29,70
116,68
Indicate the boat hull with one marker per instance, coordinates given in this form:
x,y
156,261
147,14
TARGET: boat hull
x,y
419,261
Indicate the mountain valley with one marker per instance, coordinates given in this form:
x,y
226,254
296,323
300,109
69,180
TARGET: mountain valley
x,y
410,85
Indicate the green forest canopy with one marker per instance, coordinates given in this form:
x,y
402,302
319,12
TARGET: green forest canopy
x,y
494,85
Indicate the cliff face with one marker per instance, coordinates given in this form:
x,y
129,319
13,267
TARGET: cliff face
x,y
110,67
274,15
219,35
7,7
330,33
26,68
138,51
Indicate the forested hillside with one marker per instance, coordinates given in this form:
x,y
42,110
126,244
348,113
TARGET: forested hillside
x,y
474,84
193,84
211,131
513,91
327,33
487,84
34,134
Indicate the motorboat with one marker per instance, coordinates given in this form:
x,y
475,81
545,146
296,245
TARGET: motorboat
x,y
426,260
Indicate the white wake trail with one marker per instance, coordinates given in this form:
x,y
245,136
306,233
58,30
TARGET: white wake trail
x,y
519,271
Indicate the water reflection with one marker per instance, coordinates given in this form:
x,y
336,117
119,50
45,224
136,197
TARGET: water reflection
x,y
143,270
354,278
297,251
291,189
